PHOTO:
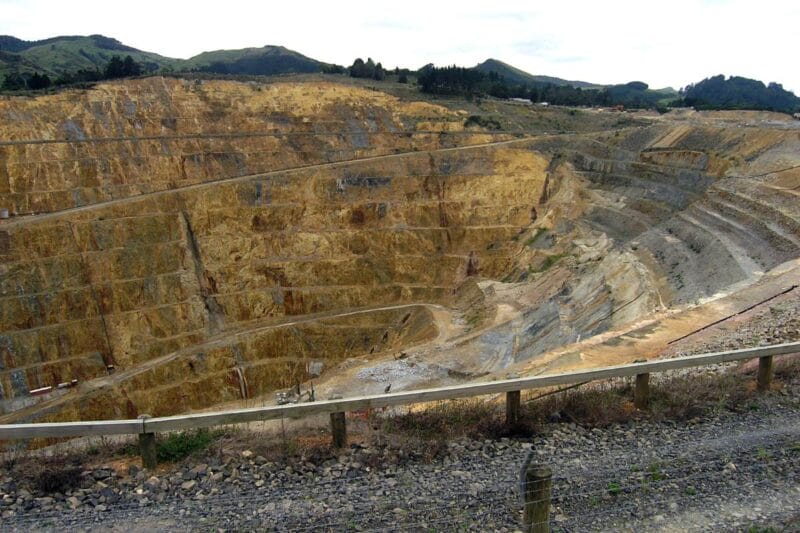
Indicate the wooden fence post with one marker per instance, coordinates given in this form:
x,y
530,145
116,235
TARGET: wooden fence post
x,y
147,447
641,393
339,430
512,407
764,373
536,514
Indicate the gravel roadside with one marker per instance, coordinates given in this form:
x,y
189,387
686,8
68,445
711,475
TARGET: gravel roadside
x,y
725,471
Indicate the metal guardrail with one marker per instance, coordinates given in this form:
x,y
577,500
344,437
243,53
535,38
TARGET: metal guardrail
x,y
511,386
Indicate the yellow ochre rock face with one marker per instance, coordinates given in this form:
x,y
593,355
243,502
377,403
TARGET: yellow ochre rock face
x,y
124,139
174,293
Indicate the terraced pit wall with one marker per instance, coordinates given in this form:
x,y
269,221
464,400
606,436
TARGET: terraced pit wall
x,y
646,219
127,283
124,139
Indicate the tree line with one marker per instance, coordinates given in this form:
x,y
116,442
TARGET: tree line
x,y
471,83
716,92
368,69
116,67
739,93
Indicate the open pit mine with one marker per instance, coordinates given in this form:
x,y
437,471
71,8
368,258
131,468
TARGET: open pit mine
x,y
170,245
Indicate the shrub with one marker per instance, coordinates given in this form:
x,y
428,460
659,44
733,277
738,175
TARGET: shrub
x,y
178,446
56,478
488,123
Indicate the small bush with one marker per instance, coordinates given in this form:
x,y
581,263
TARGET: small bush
x,y
178,446
57,479
477,120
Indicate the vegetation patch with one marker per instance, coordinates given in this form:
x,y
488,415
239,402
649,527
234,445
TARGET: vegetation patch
x,y
178,446
45,475
548,262
58,478
594,405
483,122
538,232
443,421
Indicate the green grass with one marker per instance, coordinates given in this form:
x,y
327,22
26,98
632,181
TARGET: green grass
x,y
549,261
71,54
178,446
536,234
614,488
655,472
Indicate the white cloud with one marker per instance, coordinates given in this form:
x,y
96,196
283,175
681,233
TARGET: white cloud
x,y
613,41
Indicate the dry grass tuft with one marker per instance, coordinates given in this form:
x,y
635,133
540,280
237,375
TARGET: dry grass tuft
x,y
592,407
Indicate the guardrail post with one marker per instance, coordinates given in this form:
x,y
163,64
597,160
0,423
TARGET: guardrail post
x,y
339,430
641,393
147,446
538,484
512,407
764,373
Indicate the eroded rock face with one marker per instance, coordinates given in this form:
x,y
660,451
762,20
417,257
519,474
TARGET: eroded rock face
x,y
157,285
134,137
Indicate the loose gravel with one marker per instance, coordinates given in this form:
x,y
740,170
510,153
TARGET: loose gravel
x,y
726,471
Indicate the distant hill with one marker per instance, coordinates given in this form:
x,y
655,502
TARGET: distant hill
x,y
737,92
57,56
265,61
516,76
69,53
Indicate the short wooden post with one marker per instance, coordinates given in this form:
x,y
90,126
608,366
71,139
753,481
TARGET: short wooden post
x,y
538,483
641,393
764,373
339,430
147,447
512,407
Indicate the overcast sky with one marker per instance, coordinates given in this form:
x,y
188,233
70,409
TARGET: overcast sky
x,y
603,41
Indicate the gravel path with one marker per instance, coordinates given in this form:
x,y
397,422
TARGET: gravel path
x,y
725,472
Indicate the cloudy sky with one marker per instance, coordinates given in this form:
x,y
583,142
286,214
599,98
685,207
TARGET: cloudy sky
x,y
668,44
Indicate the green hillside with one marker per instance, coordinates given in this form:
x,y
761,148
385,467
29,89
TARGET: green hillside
x,y
60,55
516,76
264,61
68,54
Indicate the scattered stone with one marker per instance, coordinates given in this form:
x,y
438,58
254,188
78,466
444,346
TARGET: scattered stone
x,y
188,485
